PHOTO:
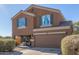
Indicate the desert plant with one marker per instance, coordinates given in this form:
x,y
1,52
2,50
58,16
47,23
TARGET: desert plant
x,y
7,44
10,44
70,45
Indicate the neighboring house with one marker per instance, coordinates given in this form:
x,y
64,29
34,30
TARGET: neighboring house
x,y
76,28
41,26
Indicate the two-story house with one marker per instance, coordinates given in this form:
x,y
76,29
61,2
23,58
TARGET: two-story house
x,y
40,26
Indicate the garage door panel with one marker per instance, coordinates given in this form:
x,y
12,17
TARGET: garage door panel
x,y
48,40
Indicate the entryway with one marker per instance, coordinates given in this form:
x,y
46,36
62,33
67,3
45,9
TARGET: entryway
x,y
25,40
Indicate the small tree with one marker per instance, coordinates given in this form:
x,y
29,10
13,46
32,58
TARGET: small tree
x,y
7,37
76,23
1,37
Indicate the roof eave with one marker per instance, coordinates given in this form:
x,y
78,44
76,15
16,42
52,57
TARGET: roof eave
x,y
24,12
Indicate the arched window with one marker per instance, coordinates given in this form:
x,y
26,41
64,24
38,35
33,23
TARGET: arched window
x,y
21,23
46,21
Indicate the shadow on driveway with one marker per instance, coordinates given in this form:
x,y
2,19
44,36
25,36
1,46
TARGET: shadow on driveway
x,y
11,53
44,50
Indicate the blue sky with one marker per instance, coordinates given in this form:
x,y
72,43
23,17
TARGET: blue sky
x,y
70,12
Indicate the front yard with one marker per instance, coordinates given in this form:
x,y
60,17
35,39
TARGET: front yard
x,y
8,47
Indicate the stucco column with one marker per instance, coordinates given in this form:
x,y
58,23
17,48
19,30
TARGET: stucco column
x,y
32,41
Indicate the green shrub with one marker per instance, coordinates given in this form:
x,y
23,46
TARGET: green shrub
x,y
75,32
70,45
7,44
1,44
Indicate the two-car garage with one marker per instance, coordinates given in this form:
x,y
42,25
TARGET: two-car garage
x,y
49,40
50,37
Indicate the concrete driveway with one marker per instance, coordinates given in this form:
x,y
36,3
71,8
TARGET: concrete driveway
x,y
32,51
37,51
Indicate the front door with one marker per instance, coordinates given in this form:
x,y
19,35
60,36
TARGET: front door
x,y
26,40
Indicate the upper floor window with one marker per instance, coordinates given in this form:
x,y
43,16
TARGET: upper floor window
x,y
46,21
21,23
